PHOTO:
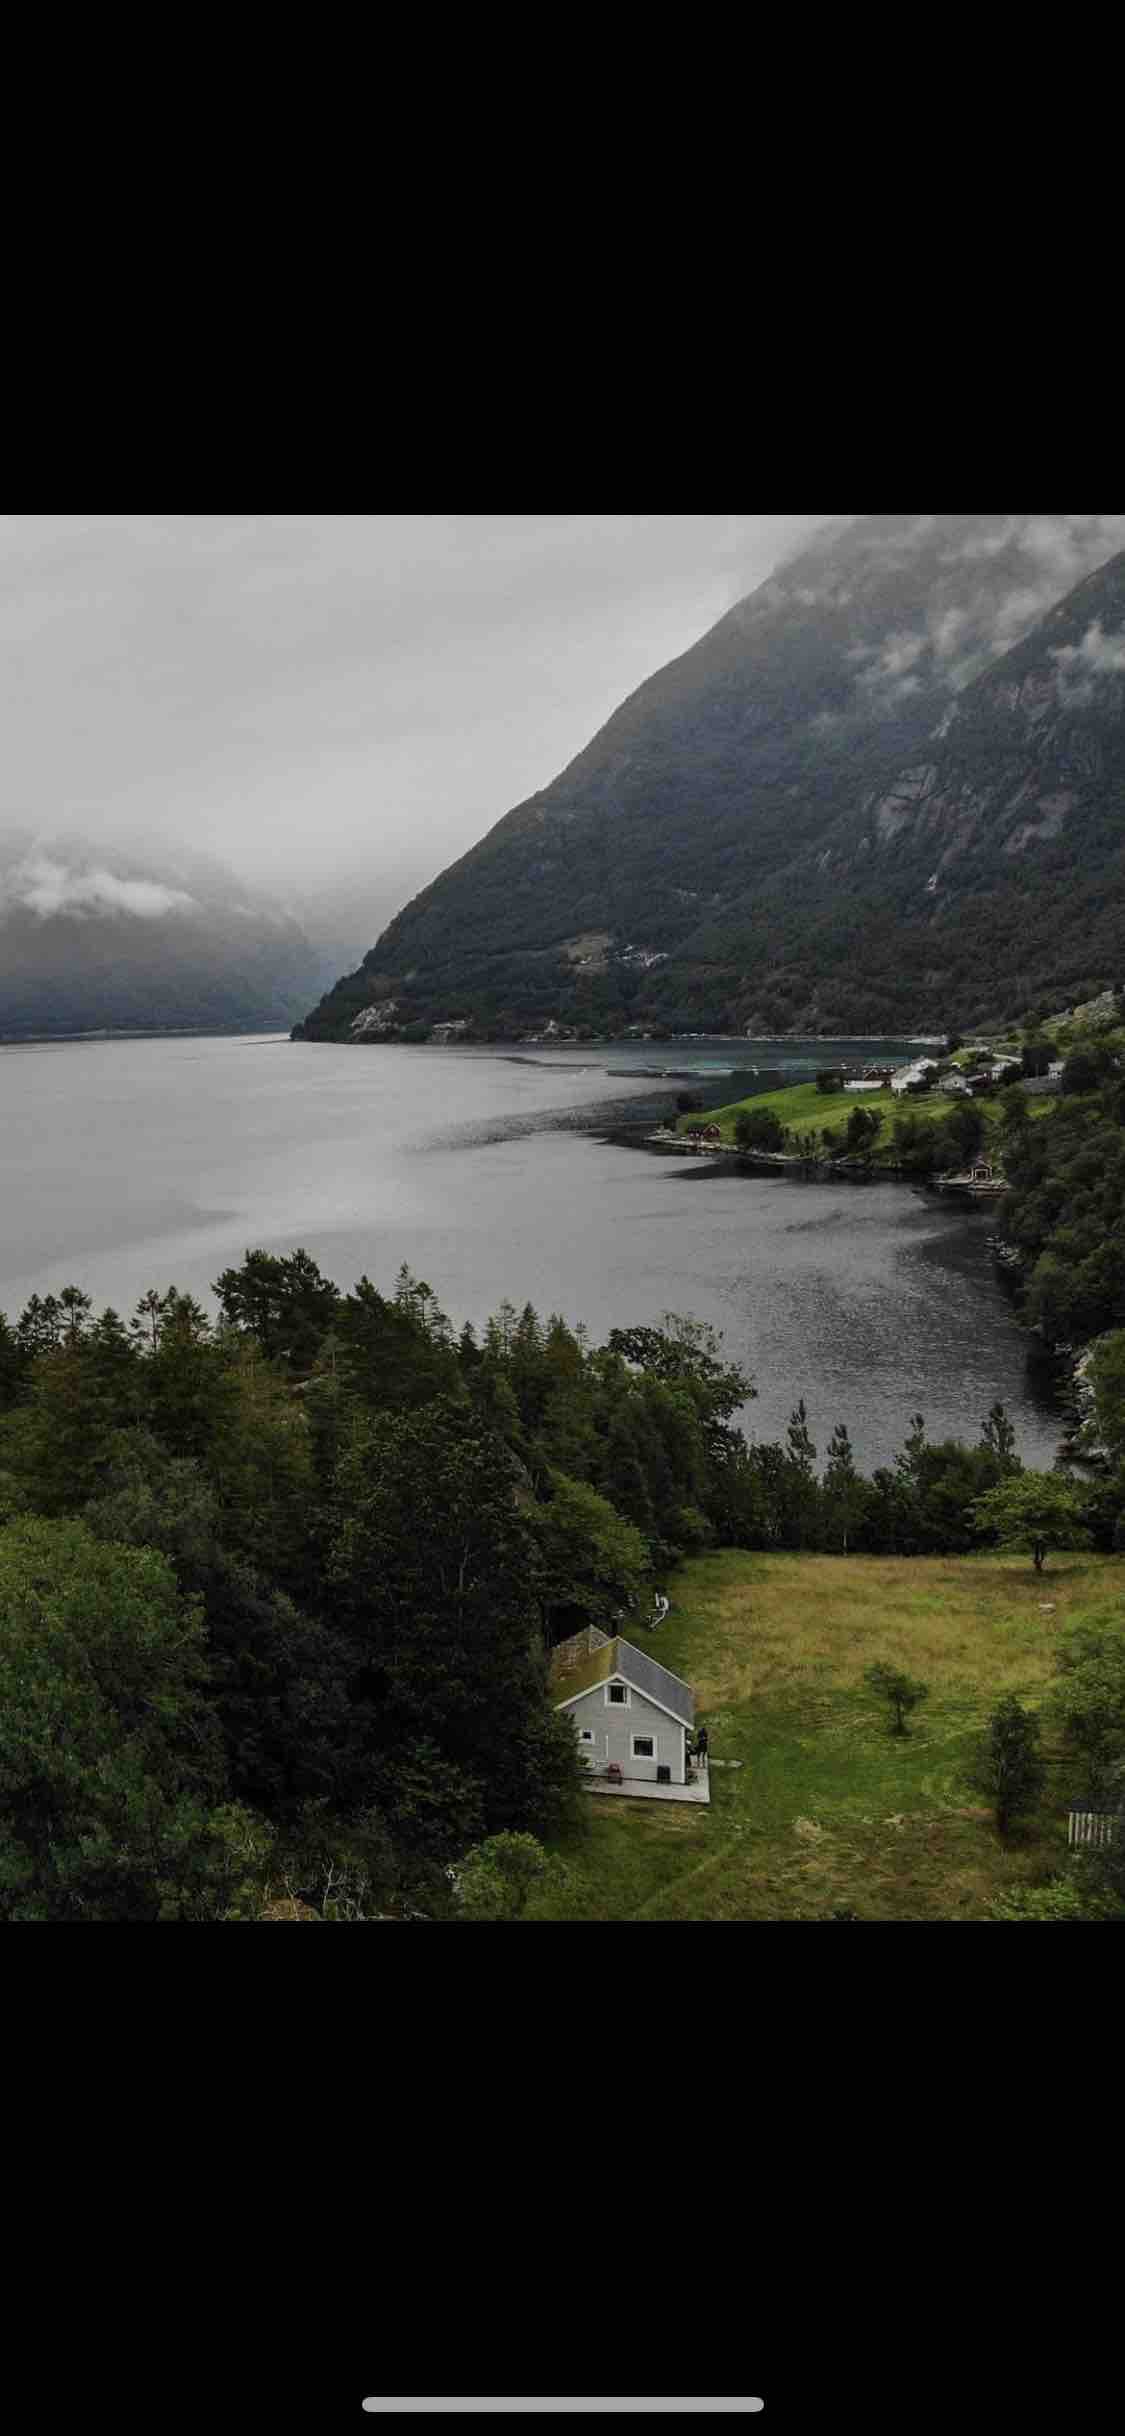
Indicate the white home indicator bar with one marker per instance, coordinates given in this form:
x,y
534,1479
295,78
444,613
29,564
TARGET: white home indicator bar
x,y
564,2402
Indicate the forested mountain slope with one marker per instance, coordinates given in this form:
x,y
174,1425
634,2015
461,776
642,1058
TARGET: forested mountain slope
x,y
899,759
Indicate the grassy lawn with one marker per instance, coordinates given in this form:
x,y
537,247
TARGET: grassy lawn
x,y
808,1110
827,1807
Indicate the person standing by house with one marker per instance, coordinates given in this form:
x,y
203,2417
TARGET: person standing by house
x,y
701,1747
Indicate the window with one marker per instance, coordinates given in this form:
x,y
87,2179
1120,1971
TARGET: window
x,y
585,1734
644,1746
617,1694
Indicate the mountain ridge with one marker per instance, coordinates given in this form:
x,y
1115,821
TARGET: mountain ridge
x,y
741,839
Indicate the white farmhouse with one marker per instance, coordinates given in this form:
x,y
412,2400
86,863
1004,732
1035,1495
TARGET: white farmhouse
x,y
903,1076
627,1711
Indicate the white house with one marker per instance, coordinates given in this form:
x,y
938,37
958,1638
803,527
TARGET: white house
x,y
904,1076
627,1710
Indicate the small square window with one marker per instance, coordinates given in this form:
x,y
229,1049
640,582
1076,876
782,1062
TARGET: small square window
x,y
586,1734
618,1695
644,1746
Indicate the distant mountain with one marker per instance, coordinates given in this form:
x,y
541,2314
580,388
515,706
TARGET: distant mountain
x,y
885,791
94,938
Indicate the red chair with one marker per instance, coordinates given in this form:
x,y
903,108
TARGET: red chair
x,y
613,1774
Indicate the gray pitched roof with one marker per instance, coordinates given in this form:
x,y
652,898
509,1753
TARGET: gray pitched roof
x,y
644,1673
647,1675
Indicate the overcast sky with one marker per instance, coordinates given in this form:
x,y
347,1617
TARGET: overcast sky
x,y
335,705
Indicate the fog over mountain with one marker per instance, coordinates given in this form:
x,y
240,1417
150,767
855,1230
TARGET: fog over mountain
x,y
726,852
103,936
333,705
337,708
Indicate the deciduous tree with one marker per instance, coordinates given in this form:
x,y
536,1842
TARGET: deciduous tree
x,y
110,1764
496,1880
1036,1510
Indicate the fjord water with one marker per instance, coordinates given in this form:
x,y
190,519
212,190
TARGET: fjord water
x,y
493,1173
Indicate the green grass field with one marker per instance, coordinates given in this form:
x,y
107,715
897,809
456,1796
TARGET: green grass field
x,y
808,1110
828,1808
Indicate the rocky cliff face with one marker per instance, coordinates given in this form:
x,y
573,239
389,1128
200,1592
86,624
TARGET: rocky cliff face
x,y
989,873
871,773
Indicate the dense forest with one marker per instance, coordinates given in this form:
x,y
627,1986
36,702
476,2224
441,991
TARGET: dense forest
x,y
1064,1214
277,1591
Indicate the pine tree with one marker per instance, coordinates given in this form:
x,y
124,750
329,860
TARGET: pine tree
x,y
801,1492
843,1488
998,1434
1009,1767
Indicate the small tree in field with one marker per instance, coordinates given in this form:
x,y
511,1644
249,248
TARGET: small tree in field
x,y
1036,1510
902,1693
1009,1768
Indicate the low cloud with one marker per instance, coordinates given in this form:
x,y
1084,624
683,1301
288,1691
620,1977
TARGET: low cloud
x,y
42,886
902,543
1081,666
1103,654
1044,557
888,660
982,545
993,588
828,596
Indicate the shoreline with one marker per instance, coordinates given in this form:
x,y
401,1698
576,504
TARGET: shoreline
x,y
619,1040
1062,1361
169,1031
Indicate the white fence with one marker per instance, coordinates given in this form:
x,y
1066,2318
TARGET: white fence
x,y
1091,1827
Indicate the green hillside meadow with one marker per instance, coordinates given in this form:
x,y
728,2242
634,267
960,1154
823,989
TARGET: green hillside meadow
x,y
804,1109
827,1809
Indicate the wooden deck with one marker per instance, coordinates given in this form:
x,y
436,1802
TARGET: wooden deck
x,y
637,1788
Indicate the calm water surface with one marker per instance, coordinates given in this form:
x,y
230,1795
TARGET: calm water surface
x,y
129,1164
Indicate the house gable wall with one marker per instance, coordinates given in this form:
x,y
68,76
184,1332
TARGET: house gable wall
x,y
614,1728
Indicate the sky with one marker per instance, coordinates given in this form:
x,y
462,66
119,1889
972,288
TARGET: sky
x,y
335,706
